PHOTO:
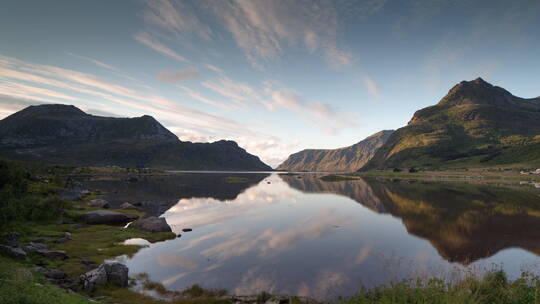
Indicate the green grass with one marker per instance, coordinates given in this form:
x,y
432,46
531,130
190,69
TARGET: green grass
x,y
19,285
492,288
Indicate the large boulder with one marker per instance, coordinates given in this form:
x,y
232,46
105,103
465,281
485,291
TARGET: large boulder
x,y
94,278
113,273
13,252
103,217
117,274
99,203
71,194
152,224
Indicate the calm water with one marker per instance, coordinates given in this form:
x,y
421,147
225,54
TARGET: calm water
x,y
296,234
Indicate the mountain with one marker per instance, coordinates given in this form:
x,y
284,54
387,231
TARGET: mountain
x,y
64,134
475,124
349,158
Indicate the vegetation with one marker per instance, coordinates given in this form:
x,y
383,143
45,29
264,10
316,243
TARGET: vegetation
x,y
493,288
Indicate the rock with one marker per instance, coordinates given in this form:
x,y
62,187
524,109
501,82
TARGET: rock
x,y
94,278
11,239
34,247
55,274
87,261
80,226
99,203
127,206
131,179
117,274
38,240
152,224
13,252
71,194
66,238
86,192
187,229
53,254
40,269
112,272
97,217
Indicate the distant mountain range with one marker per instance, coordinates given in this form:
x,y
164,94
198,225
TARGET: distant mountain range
x,y
64,134
349,158
475,124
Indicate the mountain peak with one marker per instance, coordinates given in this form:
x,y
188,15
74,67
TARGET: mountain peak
x,y
476,91
51,110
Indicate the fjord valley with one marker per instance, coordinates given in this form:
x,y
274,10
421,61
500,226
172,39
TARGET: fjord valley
x,y
269,152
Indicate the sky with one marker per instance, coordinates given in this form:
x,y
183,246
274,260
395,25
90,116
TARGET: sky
x,y
277,76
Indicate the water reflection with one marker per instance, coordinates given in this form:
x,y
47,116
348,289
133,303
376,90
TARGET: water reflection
x,y
303,236
464,222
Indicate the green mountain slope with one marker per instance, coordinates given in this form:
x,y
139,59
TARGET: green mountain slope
x,y
349,158
63,134
475,124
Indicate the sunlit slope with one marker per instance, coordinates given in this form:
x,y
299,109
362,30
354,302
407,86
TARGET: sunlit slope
x,y
476,123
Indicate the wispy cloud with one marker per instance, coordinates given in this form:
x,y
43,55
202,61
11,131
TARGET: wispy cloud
x,y
178,75
94,61
198,96
262,29
235,91
322,115
25,81
372,87
151,42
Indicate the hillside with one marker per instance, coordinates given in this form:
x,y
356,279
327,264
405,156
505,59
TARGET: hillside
x,y
63,134
349,158
475,124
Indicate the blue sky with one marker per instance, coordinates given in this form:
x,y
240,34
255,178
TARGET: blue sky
x,y
276,76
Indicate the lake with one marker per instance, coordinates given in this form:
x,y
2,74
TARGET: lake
x,y
299,235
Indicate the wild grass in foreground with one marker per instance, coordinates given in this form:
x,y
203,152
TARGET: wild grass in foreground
x,y
492,288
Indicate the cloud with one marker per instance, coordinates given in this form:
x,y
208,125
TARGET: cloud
x,y
94,61
198,96
262,29
177,76
147,39
372,87
176,17
322,115
24,81
235,91
214,68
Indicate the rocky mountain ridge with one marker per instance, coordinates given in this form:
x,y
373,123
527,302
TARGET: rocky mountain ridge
x,y
64,134
344,159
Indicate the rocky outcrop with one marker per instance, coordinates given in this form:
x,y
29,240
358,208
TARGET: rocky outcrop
x,y
53,254
346,159
152,224
113,273
104,217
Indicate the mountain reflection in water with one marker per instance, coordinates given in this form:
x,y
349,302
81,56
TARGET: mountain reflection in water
x,y
299,235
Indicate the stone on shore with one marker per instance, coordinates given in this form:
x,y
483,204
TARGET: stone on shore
x,y
152,224
99,203
34,247
13,252
53,254
113,273
126,206
11,239
104,217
